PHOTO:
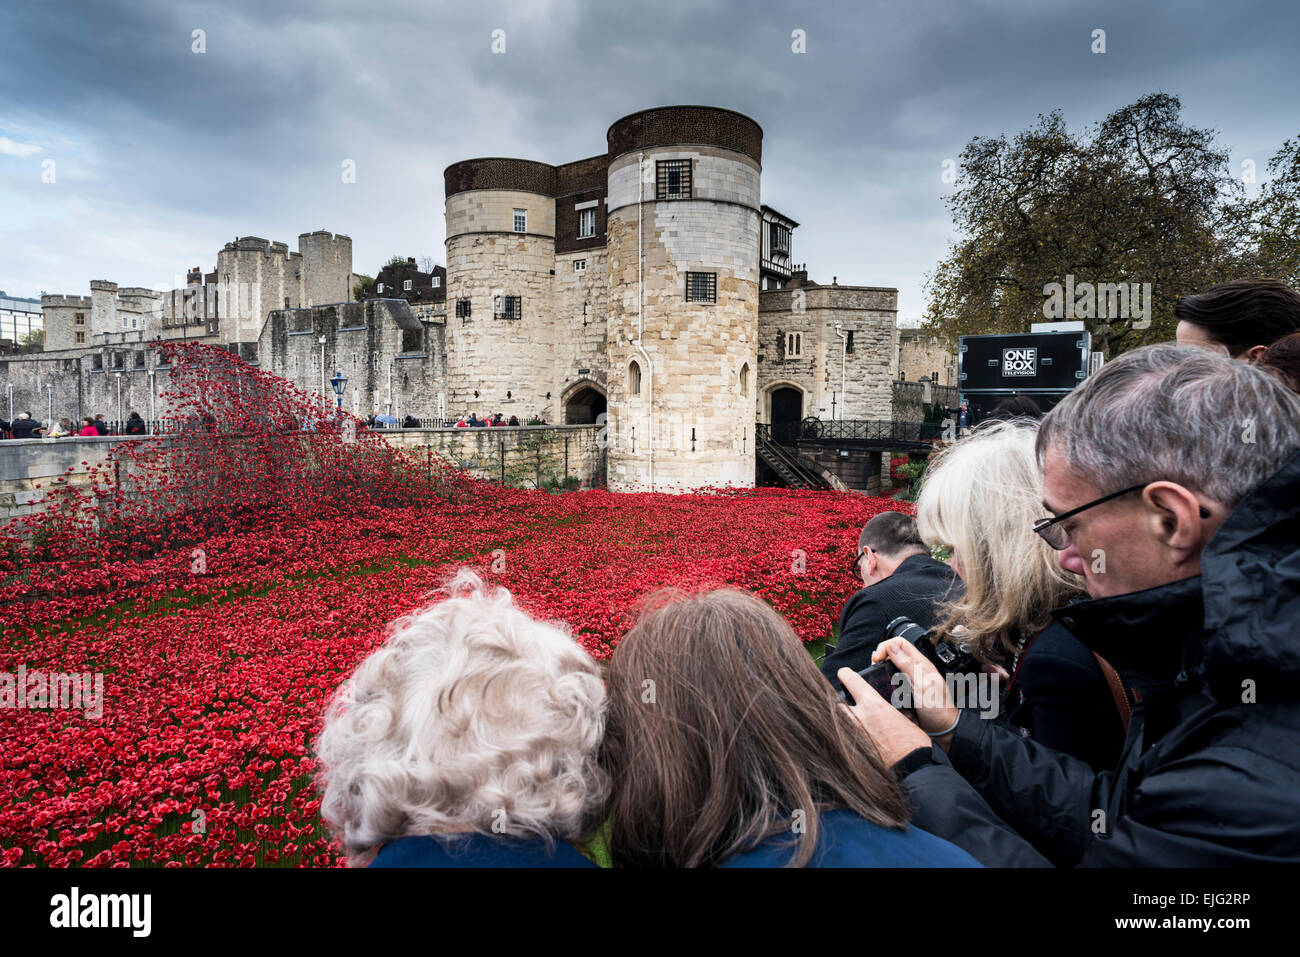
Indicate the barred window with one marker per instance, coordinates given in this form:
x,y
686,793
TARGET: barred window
x,y
509,307
462,308
701,287
586,223
673,179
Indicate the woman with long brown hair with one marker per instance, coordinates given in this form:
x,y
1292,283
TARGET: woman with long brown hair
x,y
726,746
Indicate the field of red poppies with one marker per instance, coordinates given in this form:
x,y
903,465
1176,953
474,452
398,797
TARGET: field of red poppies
x,y
226,598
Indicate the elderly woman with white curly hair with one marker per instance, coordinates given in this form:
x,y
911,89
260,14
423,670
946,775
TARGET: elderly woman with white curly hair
x,y
468,739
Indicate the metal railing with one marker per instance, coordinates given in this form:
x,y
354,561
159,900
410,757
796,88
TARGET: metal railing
x,y
849,431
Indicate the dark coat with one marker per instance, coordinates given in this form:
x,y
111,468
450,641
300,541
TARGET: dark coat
x,y
478,850
25,428
1210,769
916,589
1067,704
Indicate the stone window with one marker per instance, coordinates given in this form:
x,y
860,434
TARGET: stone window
x,y
794,344
80,318
81,337
848,343
97,361
412,340
521,220
580,265
139,358
508,307
634,378
586,223
286,302
701,287
462,308
744,379
406,285
673,179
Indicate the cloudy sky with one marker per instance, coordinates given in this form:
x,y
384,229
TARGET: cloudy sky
x,y
160,155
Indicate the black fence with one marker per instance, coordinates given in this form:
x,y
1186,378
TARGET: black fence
x,y
873,433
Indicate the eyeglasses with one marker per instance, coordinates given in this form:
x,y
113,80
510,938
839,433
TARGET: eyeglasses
x,y
1050,530
853,570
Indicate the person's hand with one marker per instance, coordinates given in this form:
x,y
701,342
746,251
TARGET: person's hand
x,y
931,700
893,735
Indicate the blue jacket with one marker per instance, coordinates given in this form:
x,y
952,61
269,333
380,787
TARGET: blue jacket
x,y
847,840
477,850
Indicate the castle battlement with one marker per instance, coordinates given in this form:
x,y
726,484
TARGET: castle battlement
x,y
56,301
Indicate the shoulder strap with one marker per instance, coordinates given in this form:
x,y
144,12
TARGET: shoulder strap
x,y
1123,695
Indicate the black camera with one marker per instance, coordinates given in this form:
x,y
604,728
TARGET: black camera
x,y
948,656
881,677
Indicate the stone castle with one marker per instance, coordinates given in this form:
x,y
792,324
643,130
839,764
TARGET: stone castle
x,y
648,282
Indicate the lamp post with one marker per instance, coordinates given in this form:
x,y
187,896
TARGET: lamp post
x,y
119,398
339,382
324,394
153,387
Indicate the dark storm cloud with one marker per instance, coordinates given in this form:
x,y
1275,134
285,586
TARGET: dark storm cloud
x,y
163,154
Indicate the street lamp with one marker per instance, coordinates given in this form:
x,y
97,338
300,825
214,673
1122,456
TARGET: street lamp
x,y
119,398
338,382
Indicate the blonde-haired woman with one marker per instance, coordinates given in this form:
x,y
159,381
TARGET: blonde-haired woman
x,y
980,498
470,738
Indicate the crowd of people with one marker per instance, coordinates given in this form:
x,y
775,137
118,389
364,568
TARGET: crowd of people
x,y
24,426
470,420
1124,572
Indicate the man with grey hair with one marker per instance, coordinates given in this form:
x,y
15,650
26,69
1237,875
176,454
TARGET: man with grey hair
x,y
1173,477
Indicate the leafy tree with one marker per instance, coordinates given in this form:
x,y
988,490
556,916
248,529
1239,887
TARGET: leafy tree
x,y
363,287
33,341
1140,197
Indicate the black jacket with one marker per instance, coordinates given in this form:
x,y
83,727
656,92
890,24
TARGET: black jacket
x,y
1067,704
1210,770
25,428
916,588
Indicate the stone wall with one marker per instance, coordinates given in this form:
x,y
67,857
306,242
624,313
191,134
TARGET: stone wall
x,y
77,382
920,355
857,389
364,341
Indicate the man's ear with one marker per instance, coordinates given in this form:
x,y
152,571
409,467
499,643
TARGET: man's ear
x,y
1174,516
1254,354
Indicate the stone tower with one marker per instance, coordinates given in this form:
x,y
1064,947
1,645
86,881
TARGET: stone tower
x,y
501,262
682,331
